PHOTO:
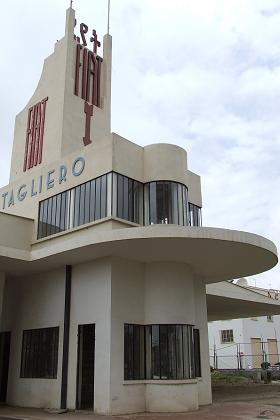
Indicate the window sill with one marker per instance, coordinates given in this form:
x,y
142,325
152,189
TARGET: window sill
x,y
162,381
85,226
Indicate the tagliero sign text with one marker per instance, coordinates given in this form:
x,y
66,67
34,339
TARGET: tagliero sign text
x,y
42,183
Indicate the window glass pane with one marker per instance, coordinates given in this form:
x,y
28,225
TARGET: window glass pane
x,y
161,204
46,215
44,220
165,202
97,198
153,202
120,198
160,352
114,194
82,205
125,198
185,206
137,202
175,211
179,351
194,215
58,213
87,202
148,338
63,212
172,351
199,217
49,217
127,352
53,216
164,368
140,205
39,353
92,201
155,352
147,205
142,351
70,213
191,340
190,214
136,351
180,204
109,182
196,349
103,196
40,220
227,336
186,352
168,202
76,206
131,207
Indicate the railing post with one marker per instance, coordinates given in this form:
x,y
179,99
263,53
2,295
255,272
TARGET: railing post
x,y
215,357
238,356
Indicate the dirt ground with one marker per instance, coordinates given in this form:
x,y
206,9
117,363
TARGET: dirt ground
x,y
230,402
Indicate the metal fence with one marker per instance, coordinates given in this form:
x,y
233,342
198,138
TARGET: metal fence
x,y
245,355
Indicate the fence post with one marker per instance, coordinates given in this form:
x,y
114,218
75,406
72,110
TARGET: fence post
x,y
215,356
264,355
238,356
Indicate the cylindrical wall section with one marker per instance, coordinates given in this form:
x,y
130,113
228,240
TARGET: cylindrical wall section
x,y
165,161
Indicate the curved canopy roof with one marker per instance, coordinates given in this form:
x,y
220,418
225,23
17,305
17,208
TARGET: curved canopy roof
x,y
212,253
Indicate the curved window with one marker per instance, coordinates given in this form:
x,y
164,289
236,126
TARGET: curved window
x,y
161,352
166,203
194,215
113,194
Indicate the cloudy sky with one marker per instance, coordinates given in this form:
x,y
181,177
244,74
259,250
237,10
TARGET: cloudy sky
x,y
204,74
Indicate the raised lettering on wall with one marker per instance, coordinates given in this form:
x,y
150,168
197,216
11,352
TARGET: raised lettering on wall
x,y
87,75
35,135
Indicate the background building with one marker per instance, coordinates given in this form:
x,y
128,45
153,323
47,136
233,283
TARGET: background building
x,y
246,342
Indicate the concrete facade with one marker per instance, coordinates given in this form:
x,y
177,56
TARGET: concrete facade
x,y
110,271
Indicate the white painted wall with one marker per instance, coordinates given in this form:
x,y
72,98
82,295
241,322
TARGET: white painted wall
x,y
33,302
227,351
169,297
171,397
128,295
243,330
262,328
204,384
91,304
153,293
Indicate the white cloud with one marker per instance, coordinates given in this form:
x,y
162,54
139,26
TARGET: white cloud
x,y
202,74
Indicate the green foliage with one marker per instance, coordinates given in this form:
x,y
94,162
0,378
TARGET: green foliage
x,y
229,378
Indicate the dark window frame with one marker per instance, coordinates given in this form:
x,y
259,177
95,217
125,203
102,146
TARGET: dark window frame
x,y
39,353
173,357
152,209
227,336
74,203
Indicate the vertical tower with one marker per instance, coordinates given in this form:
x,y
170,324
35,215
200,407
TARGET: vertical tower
x,y
71,106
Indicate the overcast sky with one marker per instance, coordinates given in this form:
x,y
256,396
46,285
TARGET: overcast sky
x,y
203,74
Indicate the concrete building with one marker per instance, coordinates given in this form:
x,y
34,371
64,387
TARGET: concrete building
x,y
102,257
246,342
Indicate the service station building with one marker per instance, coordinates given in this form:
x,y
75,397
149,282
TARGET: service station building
x,y
103,259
